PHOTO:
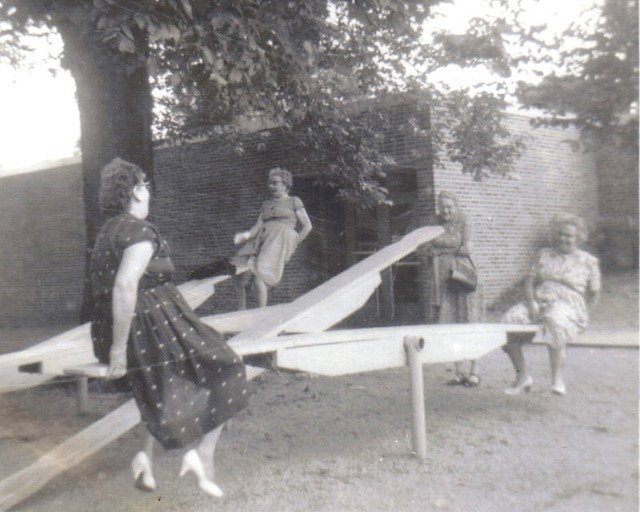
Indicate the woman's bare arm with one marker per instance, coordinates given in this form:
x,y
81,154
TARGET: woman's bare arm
x,y
305,222
125,293
243,236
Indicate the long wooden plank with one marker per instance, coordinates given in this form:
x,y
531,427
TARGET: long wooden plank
x,y
73,347
352,299
74,450
347,352
328,296
451,332
19,486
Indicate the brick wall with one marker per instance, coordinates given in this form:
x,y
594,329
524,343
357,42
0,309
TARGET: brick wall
x,y
509,216
205,192
42,250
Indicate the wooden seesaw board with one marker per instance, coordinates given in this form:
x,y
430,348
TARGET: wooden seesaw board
x,y
73,347
315,311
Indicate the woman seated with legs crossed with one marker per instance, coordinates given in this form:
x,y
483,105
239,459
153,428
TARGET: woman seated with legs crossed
x,y
560,284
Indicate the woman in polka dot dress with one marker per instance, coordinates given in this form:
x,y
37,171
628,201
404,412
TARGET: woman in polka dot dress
x,y
186,380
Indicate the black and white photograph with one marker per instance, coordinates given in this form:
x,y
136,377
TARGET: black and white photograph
x,y
319,256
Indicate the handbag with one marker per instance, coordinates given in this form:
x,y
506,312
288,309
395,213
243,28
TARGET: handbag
x,y
463,273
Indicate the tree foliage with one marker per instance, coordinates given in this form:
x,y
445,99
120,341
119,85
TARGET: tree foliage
x,y
301,65
595,85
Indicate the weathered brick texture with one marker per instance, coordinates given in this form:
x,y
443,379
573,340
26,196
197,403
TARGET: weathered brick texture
x,y
509,216
206,192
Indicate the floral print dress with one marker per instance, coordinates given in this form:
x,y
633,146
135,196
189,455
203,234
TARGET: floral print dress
x,y
560,284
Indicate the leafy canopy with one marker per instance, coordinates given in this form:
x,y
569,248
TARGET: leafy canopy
x,y
308,67
594,85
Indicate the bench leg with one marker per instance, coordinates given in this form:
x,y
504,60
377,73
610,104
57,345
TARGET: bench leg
x,y
413,345
82,394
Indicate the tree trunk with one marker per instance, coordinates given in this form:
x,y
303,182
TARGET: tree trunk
x,y
115,104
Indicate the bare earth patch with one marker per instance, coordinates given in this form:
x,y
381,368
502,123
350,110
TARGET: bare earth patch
x,y
343,444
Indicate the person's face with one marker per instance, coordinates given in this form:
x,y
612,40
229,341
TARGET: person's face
x,y
142,193
447,208
277,187
567,239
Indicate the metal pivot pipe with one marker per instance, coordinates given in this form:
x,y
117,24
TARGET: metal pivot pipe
x,y
413,345
82,394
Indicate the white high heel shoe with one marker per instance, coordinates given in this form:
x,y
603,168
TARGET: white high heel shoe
x,y
141,469
516,388
191,462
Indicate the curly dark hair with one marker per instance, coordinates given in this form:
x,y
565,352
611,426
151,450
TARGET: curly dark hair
x,y
117,180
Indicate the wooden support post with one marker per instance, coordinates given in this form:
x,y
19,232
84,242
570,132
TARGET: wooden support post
x,y
82,394
413,345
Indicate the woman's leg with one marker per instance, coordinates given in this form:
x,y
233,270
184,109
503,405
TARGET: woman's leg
x,y
242,282
206,449
148,443
514,351
262,291
557,359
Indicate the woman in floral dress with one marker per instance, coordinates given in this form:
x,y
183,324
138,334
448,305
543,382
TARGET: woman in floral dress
x,y
561,282
186,380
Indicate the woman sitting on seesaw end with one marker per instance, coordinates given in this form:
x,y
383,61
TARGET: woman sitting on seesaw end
x,y
271,242
560,284
187,382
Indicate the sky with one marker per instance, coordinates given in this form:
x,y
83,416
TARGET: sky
x,y
40,121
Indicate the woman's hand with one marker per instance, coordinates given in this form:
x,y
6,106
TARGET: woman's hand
x,y
117,363
242,237
534,309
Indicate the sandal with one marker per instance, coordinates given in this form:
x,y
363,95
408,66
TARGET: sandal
x,y
472,380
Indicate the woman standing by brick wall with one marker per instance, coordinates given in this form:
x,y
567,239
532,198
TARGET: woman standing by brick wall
x,y
449,301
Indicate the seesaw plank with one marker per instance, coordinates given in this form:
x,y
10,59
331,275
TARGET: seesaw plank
x,y
352,298
327,297
363,350
19,486
74,450
73,347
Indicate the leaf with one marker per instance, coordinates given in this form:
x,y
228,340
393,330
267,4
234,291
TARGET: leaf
x,y
208,56
187,8
217,78
235,76
217,22
127,32
126,45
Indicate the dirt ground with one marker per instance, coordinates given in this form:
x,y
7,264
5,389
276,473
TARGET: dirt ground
x,y
343,444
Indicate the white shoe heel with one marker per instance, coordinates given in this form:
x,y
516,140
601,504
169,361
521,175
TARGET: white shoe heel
x,y
191,462
141,469
516,389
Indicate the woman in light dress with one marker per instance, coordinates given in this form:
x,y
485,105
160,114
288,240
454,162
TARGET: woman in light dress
x,y
562,281
270,243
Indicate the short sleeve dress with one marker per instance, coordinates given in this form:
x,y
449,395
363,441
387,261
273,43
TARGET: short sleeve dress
x,y
268,252
561,282
185,379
